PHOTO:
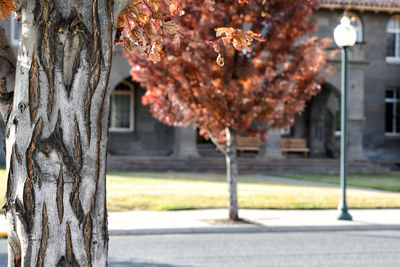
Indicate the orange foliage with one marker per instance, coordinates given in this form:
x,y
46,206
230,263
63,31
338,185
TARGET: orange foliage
x,y
141,26
261,85
6,7
144,23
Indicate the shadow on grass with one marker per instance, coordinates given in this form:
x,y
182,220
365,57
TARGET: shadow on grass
x,y
192,177
181,206
380,181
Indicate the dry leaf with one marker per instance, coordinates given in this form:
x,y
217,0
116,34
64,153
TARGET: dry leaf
x,y
170,27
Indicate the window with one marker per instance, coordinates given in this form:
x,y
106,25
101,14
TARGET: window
x,y
356,23
122,107
392,109
393,39
14,29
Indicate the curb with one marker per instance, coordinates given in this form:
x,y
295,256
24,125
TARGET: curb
x,y
246,230
252,229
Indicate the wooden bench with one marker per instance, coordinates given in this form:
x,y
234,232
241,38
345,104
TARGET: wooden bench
x,y
294,145
246,144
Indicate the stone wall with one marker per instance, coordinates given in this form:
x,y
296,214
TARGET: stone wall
x,y
369,76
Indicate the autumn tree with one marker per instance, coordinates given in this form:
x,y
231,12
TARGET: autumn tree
x,y
252,88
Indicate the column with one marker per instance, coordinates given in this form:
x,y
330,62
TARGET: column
x,y
355,119
185,143
271,148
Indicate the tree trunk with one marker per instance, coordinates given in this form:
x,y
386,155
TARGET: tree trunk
x,y
232,173
56,133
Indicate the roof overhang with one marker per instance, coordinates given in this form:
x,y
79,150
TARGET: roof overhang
x,y
360,8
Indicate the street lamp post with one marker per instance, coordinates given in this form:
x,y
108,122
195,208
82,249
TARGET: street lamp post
x,y
345,36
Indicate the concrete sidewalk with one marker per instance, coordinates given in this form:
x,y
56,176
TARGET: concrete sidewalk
x,y
213,221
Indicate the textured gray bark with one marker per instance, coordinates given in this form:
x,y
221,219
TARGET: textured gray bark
x,y
232,173
56,133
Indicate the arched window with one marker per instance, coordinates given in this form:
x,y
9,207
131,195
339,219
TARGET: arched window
x,y
122,100
356,23
393,39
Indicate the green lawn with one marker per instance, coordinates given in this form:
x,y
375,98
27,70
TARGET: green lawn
x,y
382,181
174,191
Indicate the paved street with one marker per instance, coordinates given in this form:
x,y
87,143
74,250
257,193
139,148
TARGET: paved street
x,y
356,248
276,238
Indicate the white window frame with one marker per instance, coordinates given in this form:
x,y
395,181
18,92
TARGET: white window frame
x,y
358,28
131,115
396,31
13,22
395,102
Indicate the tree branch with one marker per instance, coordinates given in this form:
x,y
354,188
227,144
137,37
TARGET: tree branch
x,y
8,63
220,147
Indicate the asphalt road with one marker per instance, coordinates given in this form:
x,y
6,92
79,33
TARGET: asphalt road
x,y
339,249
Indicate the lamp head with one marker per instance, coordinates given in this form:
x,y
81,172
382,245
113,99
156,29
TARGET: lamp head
x,y
345,34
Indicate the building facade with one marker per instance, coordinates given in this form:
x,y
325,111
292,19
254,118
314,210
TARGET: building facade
x,y
374,75
374,97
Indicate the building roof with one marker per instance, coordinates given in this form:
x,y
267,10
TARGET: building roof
x,y
367,5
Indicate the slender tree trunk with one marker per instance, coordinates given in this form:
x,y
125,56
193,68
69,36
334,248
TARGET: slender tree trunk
x,y
232,173
56,133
